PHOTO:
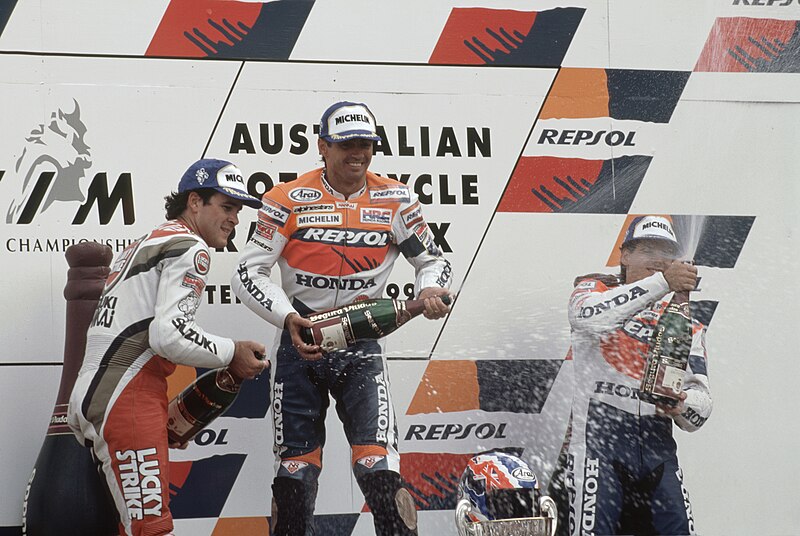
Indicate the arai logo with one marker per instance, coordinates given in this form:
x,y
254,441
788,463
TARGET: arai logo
x,y
522,473
305,195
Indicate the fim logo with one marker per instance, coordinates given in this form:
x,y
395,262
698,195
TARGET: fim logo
x,y
52,167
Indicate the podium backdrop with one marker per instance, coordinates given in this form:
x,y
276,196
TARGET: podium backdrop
x,y
532,131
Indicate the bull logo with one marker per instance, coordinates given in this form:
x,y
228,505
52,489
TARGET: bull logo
x,y
52,165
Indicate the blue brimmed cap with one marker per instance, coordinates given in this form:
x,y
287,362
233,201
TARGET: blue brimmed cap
x,y
220,175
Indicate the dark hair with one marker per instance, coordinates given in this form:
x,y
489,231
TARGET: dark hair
x,y
622,268
176,202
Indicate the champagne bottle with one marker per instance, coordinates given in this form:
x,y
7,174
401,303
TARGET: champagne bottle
x,y
201,402
668,353
339,328
66,495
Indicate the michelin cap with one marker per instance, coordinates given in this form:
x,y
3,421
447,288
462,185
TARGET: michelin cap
x,y
220,175
650,228
347,120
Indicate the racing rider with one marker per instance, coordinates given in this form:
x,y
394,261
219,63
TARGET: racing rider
x,y
622,469
143,326
335,232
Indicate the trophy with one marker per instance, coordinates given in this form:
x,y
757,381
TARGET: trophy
x,y
526,526
498,495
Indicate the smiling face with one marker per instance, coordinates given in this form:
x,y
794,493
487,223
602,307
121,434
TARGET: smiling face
x,y
346,163
214,220
645,257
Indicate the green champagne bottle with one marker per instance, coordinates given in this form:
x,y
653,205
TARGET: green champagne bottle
x,y
201,402
339,328
668,353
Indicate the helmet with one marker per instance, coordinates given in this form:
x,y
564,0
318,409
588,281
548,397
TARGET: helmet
x,y
496,486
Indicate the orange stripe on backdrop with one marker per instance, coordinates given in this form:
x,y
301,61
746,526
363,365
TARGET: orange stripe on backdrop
x,y
577,93
447,386
238,526
613,259
179,380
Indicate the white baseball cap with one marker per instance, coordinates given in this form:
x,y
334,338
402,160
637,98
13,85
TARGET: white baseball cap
x,y
650,228
348,120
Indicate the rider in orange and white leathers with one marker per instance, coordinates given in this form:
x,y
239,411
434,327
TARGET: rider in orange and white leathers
x,y
331,251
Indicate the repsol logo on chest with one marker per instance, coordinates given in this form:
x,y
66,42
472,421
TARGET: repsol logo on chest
x,y
139,475
444,432
615,301
611,138
350,237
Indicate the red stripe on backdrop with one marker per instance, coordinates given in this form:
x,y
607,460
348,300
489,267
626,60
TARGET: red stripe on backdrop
x,y
433,478
206,21
741,44
540,173
466,25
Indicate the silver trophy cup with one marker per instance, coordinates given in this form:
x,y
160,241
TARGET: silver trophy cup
x,y
529,526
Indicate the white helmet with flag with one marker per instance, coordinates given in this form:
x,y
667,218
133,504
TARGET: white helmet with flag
x,y
499,495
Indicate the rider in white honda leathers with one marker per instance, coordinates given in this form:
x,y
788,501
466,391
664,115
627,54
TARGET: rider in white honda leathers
x,y
622,470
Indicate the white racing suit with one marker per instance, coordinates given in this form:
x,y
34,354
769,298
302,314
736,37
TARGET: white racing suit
x,y
331,251
144,324
622,469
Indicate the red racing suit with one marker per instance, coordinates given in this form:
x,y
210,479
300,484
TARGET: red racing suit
x,y
622,468
144,324
331,251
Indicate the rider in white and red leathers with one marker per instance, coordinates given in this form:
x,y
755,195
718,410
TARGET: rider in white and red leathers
x,y
619,443
332,251
143,327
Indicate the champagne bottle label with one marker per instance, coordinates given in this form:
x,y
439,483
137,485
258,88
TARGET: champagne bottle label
x,y
333,337
200,403
180,423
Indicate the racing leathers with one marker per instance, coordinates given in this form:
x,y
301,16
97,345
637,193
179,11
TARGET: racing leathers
x,y
331,251
143,326
622,470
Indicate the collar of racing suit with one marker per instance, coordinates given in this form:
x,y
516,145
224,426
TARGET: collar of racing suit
x,y
336,193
